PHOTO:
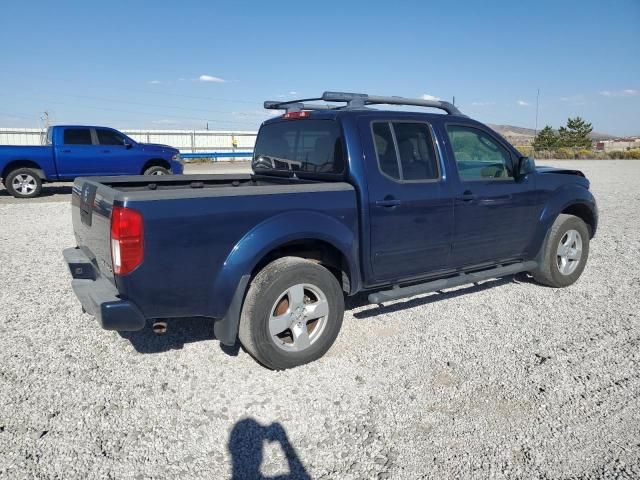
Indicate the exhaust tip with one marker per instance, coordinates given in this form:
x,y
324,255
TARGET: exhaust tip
x,y
159,328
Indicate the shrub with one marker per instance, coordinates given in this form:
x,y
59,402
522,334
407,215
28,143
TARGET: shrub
x,y
564,153
525,150
633,154
585,153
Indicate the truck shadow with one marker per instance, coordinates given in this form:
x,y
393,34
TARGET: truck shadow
x,y
246,446
360,300
179,332
47,191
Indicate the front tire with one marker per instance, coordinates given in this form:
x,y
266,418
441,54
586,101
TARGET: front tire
x,y
292,313
157,170
565,252
23,183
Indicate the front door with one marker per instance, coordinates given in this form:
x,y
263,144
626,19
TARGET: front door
x,y
410,206
117,156
495,215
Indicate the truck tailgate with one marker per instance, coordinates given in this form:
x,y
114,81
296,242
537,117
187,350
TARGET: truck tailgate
x,y
91,204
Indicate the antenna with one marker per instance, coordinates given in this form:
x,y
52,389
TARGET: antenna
x,y
537,103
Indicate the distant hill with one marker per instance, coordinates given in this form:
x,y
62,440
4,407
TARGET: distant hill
x,y
524,136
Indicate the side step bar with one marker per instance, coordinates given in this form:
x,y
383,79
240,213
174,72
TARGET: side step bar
x,y
397,293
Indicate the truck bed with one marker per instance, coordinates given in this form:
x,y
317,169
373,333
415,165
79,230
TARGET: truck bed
x,y
194,237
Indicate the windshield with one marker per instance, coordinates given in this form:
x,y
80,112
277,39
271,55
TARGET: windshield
x,y
310,146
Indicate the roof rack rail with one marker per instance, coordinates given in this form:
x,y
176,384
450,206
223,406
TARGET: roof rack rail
x,y
357,101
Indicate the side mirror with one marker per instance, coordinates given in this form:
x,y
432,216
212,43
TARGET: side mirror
x,y
127,145
526,165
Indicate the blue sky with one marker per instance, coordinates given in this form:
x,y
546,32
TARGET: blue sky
x,y
179,64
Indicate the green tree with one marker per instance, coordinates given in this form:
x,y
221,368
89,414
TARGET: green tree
x,y
575,134
546,139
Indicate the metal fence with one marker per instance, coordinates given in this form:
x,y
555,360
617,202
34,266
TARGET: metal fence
x,y
192,143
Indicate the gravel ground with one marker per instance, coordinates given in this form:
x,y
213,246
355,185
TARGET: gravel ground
x,y
507,379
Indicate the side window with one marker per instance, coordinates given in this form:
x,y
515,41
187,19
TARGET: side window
x,y
109,137
413,143
77,136
478,156
417,155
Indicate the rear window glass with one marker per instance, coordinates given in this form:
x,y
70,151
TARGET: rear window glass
x,y
77,136
313,146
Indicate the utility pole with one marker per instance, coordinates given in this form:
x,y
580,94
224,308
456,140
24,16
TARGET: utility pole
x,y
537,103
45,120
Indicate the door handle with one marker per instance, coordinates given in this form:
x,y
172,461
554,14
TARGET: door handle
x,y
66,151
388,203
106,151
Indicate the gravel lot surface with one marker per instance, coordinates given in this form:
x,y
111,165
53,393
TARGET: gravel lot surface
x,y
507,379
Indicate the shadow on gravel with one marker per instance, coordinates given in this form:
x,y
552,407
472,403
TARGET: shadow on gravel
x,y
360,300
246,445
179,332
47,191
189,330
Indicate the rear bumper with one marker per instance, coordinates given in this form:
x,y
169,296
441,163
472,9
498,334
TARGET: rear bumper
x,y
99,297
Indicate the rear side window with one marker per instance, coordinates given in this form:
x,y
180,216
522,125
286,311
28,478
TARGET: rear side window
x,y
313,146
478,155
405,151
77,136
109,137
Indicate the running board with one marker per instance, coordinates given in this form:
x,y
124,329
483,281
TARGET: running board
x,y
397,293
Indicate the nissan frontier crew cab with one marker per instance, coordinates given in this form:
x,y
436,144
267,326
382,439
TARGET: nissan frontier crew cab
x,y
72,151
343,198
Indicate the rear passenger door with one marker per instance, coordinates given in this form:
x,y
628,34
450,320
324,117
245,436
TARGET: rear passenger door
x,y
76,153
410,206
494,214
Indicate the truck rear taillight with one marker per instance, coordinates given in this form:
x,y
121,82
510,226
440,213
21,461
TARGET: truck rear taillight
x,y
127,240
294,115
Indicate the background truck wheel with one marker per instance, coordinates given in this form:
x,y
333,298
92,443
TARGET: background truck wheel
x,y
23,183
292,313
565,252
157,170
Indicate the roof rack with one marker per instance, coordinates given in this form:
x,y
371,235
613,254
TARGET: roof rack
x,y
357,101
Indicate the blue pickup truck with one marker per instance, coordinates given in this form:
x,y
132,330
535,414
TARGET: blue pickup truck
x,y
343,198
73,151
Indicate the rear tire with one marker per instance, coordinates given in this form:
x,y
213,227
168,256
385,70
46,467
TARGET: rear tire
x,y
23,183
157,170
292,313
565,252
